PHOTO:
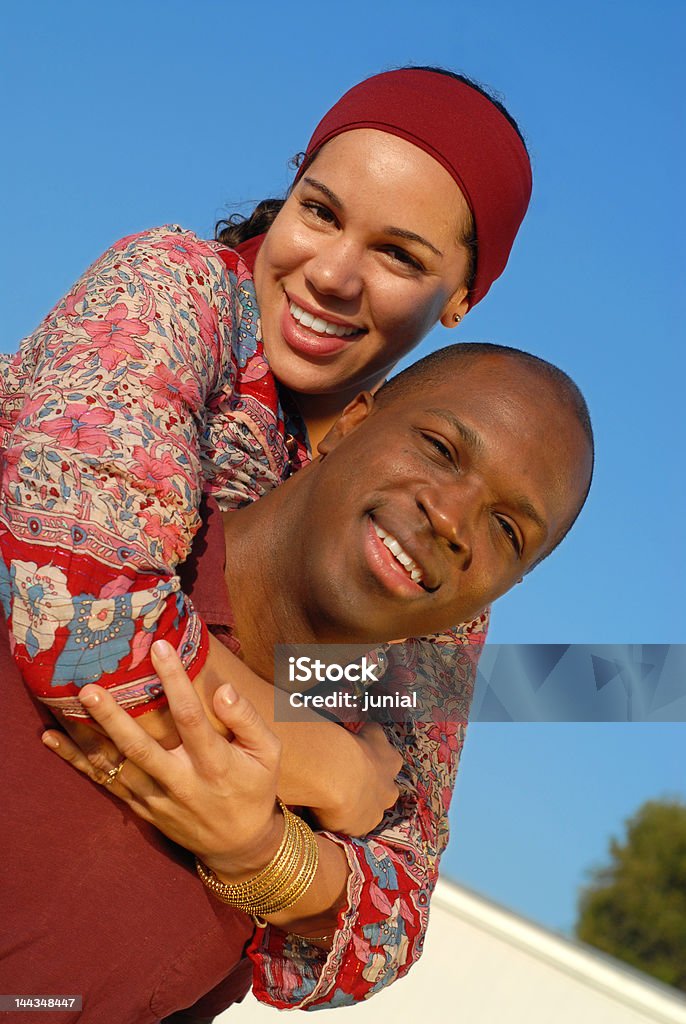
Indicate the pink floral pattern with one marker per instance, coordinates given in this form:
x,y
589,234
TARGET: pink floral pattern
x,y
143,388
80,427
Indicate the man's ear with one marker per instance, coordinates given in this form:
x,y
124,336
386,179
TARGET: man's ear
x,y
355,412
456,308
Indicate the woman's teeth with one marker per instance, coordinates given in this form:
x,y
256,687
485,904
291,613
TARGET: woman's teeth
x,y
399,553
320,326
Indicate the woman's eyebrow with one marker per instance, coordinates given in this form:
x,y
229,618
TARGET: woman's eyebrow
x,y
412,236
321,187
337,203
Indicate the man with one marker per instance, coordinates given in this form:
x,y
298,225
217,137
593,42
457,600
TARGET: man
x,y
427,503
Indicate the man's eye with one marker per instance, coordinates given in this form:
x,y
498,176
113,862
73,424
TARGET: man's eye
x,y
319,211
511,534
440,447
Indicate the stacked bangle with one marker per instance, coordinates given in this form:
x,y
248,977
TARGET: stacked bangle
x,y
284,880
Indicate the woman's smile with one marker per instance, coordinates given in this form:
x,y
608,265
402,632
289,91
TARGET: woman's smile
x,y
313,333
322,323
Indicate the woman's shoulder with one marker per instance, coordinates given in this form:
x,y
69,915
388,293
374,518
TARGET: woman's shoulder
x,y
177,246
172,238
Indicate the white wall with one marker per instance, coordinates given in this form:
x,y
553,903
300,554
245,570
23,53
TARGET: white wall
x,y
483,965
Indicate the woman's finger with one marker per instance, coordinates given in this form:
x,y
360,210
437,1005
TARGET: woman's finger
x,y
133,742
99,750
197,734
65,748
250,731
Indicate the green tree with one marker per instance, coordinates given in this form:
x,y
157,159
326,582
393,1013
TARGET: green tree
x,y
634,908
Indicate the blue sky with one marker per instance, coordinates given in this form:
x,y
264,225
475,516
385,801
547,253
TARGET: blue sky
x,y
120,117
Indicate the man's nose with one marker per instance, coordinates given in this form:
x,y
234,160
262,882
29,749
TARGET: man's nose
x,y
452,513
335,269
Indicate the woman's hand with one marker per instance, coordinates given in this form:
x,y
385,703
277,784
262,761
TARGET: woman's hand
x,y
348,780
84,748
214,796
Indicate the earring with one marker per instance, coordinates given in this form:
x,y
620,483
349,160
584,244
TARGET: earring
x,y
457,318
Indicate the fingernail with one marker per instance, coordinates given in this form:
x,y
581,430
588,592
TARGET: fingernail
x,y
228,694
162,649
50,741
90,699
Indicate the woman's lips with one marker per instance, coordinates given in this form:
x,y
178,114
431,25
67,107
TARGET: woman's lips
x,y
309,342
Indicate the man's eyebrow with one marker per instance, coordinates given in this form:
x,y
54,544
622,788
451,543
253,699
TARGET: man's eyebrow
x,y
468,434
475,441
523,505
321,187
337,203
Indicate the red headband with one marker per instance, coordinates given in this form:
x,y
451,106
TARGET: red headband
x,y
460,128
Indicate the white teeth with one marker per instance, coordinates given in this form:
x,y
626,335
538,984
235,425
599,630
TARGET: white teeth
x,y
318,324
392,543
399,553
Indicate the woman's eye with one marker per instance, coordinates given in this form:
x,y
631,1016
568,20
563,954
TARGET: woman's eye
x,y
511,535
319,211
402,256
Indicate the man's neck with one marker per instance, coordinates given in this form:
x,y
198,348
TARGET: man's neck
x,y
266,599
320,412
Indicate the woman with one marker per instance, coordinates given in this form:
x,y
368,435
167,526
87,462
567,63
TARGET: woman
x,y
345,286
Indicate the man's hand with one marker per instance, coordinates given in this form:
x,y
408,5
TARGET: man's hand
x,y
375,773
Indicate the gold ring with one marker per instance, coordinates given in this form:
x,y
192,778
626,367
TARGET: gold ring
x,y
114,772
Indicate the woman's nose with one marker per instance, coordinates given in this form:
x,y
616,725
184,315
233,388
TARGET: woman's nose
x,y
452,513
335,269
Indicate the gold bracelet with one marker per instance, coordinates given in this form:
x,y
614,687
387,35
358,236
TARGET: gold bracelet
x,y
286,894
282,882
263,884
289,888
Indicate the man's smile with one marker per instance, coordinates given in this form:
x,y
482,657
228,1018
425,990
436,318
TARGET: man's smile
x,y
393,566
399,553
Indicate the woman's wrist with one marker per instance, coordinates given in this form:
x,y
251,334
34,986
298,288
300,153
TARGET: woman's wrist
x,y
316,913
280,883
241,864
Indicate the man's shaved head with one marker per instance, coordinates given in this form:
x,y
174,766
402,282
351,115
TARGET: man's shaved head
x,y
445,364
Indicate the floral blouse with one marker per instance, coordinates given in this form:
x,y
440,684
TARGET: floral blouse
x,y
143,388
